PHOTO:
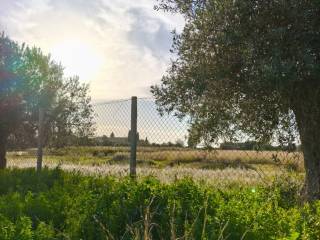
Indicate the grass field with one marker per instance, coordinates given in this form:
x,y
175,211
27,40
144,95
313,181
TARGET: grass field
x,y
167,163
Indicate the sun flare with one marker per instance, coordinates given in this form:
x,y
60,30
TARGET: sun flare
x,y
79,58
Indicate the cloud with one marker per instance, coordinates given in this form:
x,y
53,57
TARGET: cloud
x,y
131,39
149,33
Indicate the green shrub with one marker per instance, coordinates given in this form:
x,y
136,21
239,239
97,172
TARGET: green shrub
x,y
7,228
57,205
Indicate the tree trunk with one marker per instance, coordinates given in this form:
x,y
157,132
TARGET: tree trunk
x,y
3,149
307,112
312,166
310,140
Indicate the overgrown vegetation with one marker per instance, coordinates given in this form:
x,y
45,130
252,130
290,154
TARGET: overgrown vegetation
x,y
218,167
169,157
57,205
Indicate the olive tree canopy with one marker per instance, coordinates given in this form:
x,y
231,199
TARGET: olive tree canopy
x,y
249,67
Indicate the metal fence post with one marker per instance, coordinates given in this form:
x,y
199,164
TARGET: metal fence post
x,y
40,139
133,140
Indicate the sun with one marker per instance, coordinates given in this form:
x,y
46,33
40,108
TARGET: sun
x,y
78,57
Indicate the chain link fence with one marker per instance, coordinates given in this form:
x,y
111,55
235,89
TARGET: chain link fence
x,y
162,150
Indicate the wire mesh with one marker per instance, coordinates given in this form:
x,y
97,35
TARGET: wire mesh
x,y
162,150
163,144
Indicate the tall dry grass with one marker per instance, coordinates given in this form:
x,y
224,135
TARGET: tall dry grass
x,y
221,167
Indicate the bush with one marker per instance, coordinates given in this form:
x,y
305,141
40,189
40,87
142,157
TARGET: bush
x,y
58,205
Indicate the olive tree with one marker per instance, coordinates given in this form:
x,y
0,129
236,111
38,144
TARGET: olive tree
x,y
250,67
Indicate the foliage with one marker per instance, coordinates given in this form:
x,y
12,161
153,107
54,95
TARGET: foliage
x,y
235,62
58,205
71,121
248,69
29,81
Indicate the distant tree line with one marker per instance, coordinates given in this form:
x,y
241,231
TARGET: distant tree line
x,y
113,140
253,145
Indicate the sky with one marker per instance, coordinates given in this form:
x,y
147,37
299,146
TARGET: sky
x,y
119,47
114,117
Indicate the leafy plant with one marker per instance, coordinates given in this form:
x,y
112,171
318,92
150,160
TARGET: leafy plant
x,y
53,204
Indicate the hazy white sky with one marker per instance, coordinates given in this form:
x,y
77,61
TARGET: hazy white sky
x,y
120,47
